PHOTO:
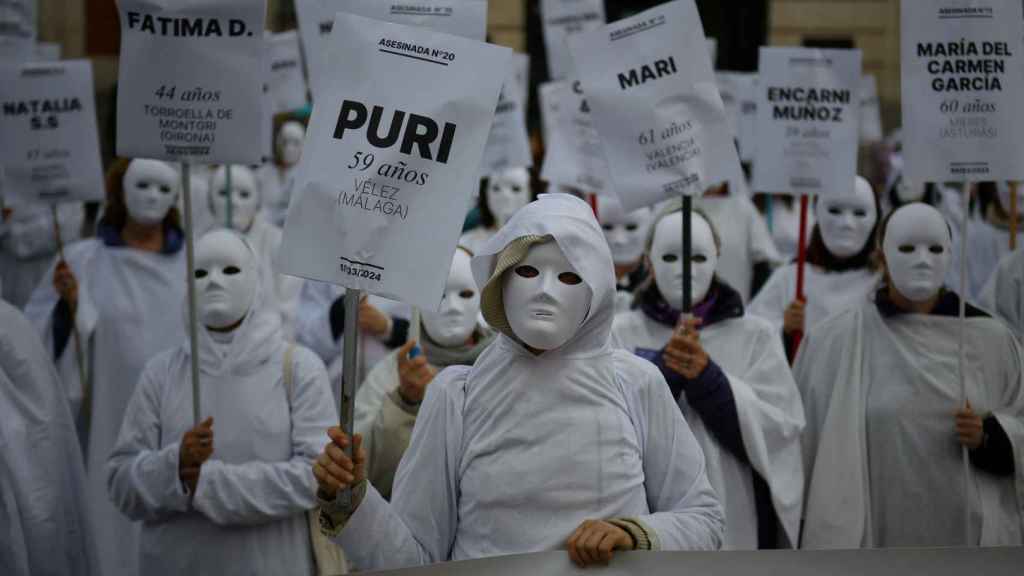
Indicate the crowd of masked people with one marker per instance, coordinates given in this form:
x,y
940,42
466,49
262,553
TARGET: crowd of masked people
x,y
558,399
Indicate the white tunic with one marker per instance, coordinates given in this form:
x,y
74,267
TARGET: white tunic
x,y
129,309
745,239
44,520
827,293
1003,295
986,246
512,454
883,460
770,413
248,512
281,291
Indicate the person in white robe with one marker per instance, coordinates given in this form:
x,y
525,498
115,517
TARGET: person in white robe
x,y
503,194
115,289
1003,295
246,199
389,399
886,415
988,237
277,179
28,245
626,233
729,374
45,525
320,326
229,495
747,245
552,440
785,225
838,273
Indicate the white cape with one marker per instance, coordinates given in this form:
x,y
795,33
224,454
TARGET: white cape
x,y
44,517
883,463
129,310
827,293
771,417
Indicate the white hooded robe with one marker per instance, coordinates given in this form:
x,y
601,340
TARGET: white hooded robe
x,y
512,454
248,514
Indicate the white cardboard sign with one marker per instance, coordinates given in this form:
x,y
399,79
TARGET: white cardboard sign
x,y
870,110
508,145
49,147
746,122
287,83
562,19
190,80
656,105
962,89
466,18
391,158
807,121
17,30
574,155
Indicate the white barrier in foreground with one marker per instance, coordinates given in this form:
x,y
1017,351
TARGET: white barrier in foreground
x,y
930,562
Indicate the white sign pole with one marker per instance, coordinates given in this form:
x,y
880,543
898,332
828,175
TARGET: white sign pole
x,y
190,263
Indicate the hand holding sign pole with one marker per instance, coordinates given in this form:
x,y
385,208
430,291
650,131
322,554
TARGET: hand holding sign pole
x,y
961,85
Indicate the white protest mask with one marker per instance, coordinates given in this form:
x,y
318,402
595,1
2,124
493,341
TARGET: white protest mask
x,y
917,249
846,221
245,197
453,323
507,192
289,142
625,232
150,190
225,277
545,299
667,258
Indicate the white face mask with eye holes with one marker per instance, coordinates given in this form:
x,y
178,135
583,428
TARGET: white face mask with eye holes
x,y
846,221
507,192
667,258
455,320
545,299
289,143
625,233
150,190
226,279
917,251
245,197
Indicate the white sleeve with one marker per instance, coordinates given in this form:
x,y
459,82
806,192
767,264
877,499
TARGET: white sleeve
x,y
419,525
313,320
258,492
685,511
142,476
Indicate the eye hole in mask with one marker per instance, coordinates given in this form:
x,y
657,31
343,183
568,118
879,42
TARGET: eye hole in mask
x,y
570,278
632,227
906,249
936,249
200,274
669,258
245,194
699,258
607,227
165,189
516,189
467,294
527,271
232,270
